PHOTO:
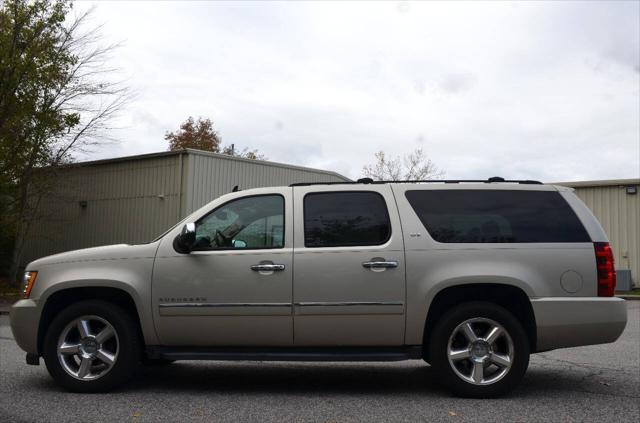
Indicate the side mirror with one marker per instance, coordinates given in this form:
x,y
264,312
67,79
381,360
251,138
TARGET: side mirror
x,y
184,242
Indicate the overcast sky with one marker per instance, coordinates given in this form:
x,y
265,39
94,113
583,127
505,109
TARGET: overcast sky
x,y
548,91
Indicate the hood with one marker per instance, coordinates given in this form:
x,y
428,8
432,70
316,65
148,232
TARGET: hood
x,y
107,252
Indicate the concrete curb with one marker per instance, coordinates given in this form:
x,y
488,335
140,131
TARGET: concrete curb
x,y
4,310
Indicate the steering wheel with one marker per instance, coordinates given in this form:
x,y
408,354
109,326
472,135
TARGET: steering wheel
x,y
221,240
202,243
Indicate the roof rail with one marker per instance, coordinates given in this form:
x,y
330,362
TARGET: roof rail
x,y
495,179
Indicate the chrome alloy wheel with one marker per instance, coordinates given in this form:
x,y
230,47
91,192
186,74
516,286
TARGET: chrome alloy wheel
x,y
88,347
480,351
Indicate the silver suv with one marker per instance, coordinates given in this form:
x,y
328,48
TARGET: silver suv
x,y
470,276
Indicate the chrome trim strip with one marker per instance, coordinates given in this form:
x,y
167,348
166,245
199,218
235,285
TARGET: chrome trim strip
x,y
301,304
208,305
348,303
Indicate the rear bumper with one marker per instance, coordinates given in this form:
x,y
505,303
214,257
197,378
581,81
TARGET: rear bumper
x,y
25,318
570,322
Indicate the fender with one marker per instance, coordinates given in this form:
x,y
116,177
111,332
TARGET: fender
x,y
134,279
420,307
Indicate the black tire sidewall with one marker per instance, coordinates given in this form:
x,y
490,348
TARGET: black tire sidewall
x,y
128,351
440,338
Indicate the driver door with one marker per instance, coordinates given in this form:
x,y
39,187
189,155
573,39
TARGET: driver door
x,y
235,287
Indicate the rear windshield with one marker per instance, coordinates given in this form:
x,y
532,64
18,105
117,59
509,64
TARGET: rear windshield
x,y
481,216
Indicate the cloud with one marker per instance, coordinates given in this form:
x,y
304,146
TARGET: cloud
x,y
457,82
538,90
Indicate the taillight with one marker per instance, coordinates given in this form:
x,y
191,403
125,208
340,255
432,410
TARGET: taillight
x,y
606,269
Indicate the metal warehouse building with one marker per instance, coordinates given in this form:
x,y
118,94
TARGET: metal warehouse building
x,y
616,204
134,199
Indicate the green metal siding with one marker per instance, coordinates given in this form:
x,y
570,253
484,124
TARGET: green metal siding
x,y
126,202
619,215
211,176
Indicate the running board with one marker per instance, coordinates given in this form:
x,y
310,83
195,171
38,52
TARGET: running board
x,y
287,353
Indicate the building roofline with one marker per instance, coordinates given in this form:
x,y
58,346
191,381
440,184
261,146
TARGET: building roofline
x,y
204,153
600,183
265,163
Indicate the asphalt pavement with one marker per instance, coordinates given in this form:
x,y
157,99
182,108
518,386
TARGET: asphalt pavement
x,y
597,384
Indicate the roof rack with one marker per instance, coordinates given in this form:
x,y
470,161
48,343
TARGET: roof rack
x,y
444,181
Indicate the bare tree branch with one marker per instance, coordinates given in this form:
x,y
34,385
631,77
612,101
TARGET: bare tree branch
x,y
413,166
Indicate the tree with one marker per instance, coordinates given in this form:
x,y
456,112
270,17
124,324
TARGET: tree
x,y
197,135
57,97
413,166
200,135
245,153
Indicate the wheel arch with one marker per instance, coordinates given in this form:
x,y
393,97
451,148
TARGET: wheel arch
x,y
62,298
513,298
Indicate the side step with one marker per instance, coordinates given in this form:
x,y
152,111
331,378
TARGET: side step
x,y
287,353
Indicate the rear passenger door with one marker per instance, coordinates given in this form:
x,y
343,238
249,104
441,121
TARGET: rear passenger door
x,y
349,272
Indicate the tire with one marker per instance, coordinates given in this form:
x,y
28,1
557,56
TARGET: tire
x,y
479,369
111,336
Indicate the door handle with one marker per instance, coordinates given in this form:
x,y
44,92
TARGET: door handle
x,y
380,264
267,267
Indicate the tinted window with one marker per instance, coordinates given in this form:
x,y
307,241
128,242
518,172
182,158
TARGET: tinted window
x,y
336,219
250,222
496,216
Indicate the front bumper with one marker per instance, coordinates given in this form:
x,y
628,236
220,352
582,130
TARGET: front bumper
x,y
570,322
25,319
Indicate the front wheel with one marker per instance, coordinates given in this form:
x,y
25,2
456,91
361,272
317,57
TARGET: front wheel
x,y
479,349
92,346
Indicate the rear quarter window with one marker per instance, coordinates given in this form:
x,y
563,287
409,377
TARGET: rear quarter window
x,y
492,216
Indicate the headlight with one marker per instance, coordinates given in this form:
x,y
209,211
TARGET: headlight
x,y
27,283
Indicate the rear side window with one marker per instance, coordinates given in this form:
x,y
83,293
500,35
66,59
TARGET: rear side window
x,y
340,219
480,216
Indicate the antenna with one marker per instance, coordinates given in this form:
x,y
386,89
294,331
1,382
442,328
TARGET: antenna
x,y
495,179
365,181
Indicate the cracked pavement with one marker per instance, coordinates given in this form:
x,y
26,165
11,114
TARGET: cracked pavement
x,y
599,383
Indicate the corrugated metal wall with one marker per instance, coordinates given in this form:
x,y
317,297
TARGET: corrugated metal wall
x,y
123,205
619,214
135,199
209,176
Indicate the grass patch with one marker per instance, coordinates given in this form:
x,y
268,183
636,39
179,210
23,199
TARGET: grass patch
x,y
634,291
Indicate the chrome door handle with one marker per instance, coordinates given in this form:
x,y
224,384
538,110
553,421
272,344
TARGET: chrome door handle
x,y
267,267
380,264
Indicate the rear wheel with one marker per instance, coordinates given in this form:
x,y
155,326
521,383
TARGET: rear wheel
x,y
479,349
92,346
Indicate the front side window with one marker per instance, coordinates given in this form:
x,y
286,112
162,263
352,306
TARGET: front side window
x,y
339,219
496,216
249,223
